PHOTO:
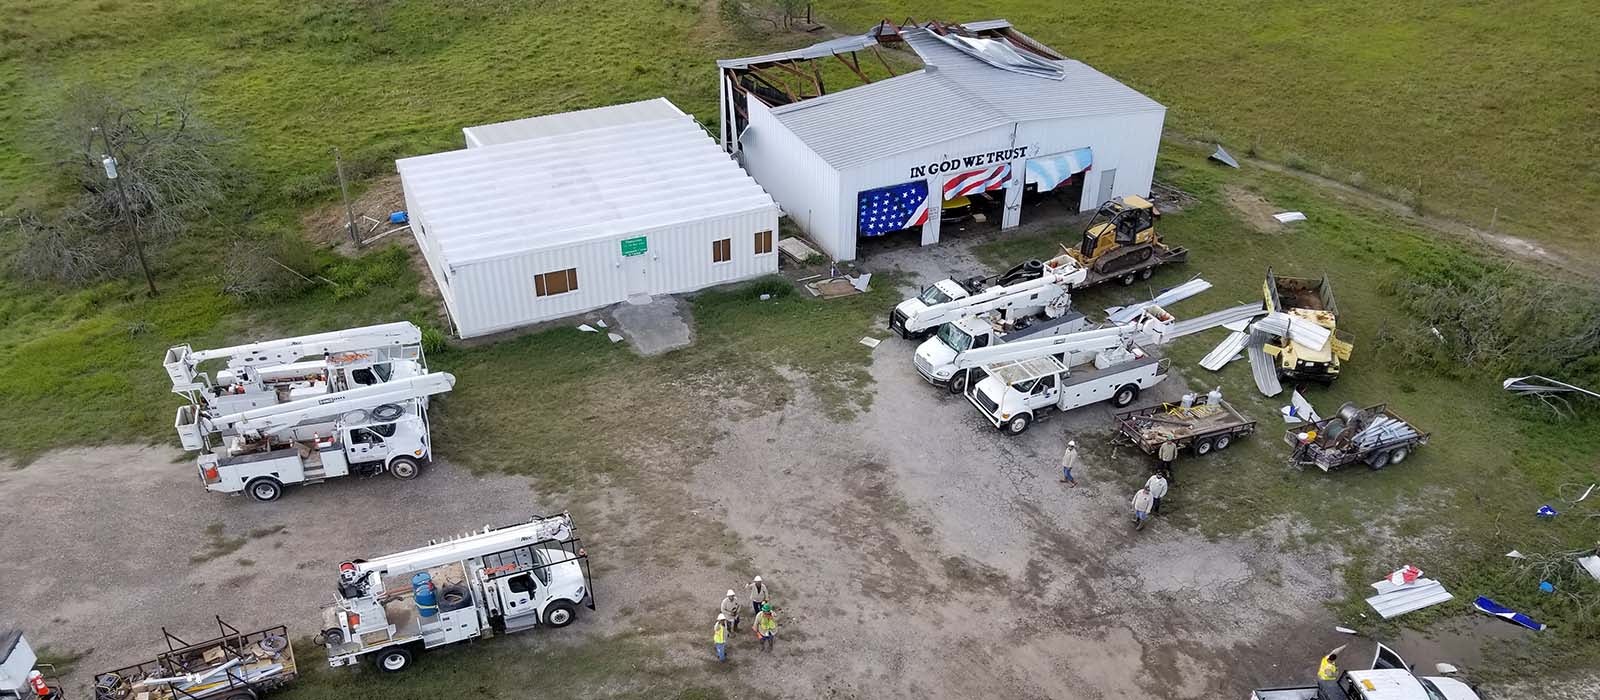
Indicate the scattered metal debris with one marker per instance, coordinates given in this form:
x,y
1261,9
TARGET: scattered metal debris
x,y
1299,410
1488,607
1591,564
1345,630
614,337
588,328
1223,157
1289,216
870,341
1225,351
1547,390
1261,364
1124,314
1394,600
797,250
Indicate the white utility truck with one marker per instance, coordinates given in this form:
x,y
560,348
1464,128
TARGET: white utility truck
x,y
1389,679
22,677
1036,308
287,369
952,293
498,580
1014,384
366,430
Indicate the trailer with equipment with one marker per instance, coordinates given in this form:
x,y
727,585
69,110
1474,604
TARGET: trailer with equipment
x,y
1208,424
21,674
368,430
287,369
1120,243
495,581
231,666
1389,679
1374,435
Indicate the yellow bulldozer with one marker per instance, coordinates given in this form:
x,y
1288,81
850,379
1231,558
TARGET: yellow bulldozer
x,y
1121,243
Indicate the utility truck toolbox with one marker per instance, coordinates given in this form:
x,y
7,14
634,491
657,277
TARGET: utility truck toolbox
x,y
497,580
232,665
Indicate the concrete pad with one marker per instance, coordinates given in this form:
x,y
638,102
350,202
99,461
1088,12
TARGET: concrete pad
x,y
655,327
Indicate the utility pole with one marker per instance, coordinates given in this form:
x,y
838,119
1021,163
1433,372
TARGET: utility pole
x,y
344,192
109,162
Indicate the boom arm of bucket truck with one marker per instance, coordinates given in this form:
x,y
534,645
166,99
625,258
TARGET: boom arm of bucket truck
x,y
400,339
1083,341
477,544
269,420
1050,291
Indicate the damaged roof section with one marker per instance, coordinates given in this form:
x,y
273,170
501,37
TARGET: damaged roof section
x,y
974,77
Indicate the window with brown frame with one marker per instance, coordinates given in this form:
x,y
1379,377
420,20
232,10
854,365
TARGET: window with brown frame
x,y
558,282
763,242
722,251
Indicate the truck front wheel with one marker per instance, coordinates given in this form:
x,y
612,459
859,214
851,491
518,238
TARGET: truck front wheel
x,y
957,383
404,468
560,614
1018,424
394,660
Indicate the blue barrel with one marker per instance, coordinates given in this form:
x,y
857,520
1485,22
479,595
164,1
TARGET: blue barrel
x,y
422,590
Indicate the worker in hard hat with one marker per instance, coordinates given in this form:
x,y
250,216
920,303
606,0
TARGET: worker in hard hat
x,y
731,608
719,637
1069,459
758,594
1327,670
766,626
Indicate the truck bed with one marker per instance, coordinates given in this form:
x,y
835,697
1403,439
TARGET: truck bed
x,y
212,668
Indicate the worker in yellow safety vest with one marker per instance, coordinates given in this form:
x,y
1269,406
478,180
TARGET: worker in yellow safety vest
x,y
719,637
766,625
1328,670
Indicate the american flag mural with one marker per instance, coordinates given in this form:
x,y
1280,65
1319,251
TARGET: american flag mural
x,y
981,180
889,209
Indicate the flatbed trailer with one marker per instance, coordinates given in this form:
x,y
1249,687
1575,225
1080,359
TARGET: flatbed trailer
x,y
231,666
1374,435
1201,428
1128,272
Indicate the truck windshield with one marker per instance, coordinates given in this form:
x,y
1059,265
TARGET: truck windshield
x,y
957,339
932,295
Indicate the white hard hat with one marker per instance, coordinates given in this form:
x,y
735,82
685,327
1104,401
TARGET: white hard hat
x,y
731,593
722,617
757,580
1072,443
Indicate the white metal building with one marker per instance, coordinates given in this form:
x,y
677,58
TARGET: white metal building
x,y
991,110
551,216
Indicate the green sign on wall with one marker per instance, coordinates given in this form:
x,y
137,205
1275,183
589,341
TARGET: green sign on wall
x,y
634,246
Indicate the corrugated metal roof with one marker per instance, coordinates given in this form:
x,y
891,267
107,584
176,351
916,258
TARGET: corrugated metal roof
x,y
953,96
1401,600
497,201
570,122
845,44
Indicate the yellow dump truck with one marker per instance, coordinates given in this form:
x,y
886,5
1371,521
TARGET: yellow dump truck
x,y
1308,346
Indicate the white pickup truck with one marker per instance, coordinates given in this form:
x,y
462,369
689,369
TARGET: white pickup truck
x,y
1389,679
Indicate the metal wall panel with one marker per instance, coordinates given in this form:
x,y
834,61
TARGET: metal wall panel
x,y
795,176
499,294
1125,143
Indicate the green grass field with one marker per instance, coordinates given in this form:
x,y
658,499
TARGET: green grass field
x,y
1488,106
1462,107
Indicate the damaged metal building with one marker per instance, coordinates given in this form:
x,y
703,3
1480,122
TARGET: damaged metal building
x,y
993,120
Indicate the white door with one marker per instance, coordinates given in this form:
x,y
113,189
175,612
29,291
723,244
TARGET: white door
x,y
637,269
364,445
1385,657
1108,181
517,594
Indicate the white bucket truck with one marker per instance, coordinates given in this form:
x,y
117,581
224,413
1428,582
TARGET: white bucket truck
x,y
1390,679
499,580
911,319
1036,308
279,371
1014,384
367,430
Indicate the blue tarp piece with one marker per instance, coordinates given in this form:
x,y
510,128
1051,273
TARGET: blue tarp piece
x,y
1489,607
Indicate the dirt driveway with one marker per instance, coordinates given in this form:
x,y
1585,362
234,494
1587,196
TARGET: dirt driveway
x,y
914,551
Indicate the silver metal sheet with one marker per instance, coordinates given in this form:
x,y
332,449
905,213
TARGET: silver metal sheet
x,y
825,49
1183,291
1414,597
1214,319
1262,366
1224,352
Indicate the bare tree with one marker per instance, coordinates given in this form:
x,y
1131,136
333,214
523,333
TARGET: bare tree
x,y
167,175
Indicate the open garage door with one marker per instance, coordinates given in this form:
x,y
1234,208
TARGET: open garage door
x,y
885,210
1055,181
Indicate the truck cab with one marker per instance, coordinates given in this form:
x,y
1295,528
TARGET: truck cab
x,y
1390,678
940,292
934,358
